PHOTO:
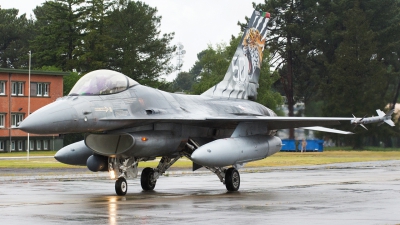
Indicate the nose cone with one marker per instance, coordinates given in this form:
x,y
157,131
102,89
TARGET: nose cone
x,y
74,154
57,117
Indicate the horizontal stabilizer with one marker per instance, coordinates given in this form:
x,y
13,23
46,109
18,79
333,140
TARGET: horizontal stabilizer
x,y
381,113
330,130
390,122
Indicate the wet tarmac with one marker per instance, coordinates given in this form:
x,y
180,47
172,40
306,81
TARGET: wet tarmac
x,y
346,193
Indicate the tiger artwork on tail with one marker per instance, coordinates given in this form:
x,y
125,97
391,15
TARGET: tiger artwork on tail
x,y
241,79
253,48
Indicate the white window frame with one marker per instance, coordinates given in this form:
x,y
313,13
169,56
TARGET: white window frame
x,y
39,89
45,89
2,120
2,87
17,88
42,89
31,145
12,145
38,145
20,89
20,145
13,88
45,144
16,118
1,145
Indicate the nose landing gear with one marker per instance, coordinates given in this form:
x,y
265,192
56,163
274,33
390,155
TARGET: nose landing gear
x,y
121,186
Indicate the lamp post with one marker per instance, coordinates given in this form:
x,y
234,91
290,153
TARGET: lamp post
x,y
29,102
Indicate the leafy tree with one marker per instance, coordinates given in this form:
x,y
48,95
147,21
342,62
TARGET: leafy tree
x,y
355,74
138,49
58,25
384,19
214,63
14,36
184,81
95,48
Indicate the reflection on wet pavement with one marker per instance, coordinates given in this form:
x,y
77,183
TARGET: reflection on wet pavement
x,y
351,193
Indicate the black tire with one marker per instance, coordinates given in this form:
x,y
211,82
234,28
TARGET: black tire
x,y
121,186
232,179
146,179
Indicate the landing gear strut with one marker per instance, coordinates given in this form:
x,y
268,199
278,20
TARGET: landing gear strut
x,y
149,176
120,169
230,177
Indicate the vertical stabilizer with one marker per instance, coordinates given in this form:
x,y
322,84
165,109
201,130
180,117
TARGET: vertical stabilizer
x,y
241,79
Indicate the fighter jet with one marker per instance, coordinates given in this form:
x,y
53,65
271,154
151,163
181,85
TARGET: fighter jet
x,y
127,123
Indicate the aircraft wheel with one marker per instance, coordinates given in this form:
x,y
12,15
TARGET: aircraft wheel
x,y
146,179
232,179
121,186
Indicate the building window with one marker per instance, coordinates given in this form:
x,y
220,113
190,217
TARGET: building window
x,y
31,145
16,118
1,145
2,116
20,144
2,88
40,89
45,144
17,88
38,145
12,145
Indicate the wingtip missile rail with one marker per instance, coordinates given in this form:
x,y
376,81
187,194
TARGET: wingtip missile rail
x,y
381,118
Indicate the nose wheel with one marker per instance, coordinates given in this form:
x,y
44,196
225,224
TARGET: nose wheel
x,y
121,186
232,179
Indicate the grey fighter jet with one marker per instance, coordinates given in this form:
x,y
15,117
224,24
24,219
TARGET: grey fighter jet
x,y
127,123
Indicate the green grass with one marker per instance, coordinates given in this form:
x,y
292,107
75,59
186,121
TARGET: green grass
x,y
31,153
327,157
368,148
279,159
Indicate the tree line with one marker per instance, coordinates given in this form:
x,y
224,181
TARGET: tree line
x,y
81,36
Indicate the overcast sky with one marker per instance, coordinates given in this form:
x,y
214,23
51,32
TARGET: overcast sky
x,y
195,23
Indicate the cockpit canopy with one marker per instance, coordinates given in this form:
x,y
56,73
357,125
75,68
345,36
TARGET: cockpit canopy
x,y
102,82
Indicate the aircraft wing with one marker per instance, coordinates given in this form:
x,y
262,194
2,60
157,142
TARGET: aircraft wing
x,y
273,122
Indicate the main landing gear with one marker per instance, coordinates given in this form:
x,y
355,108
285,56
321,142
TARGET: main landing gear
x,y
123,168
230,177
149,176
147,179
